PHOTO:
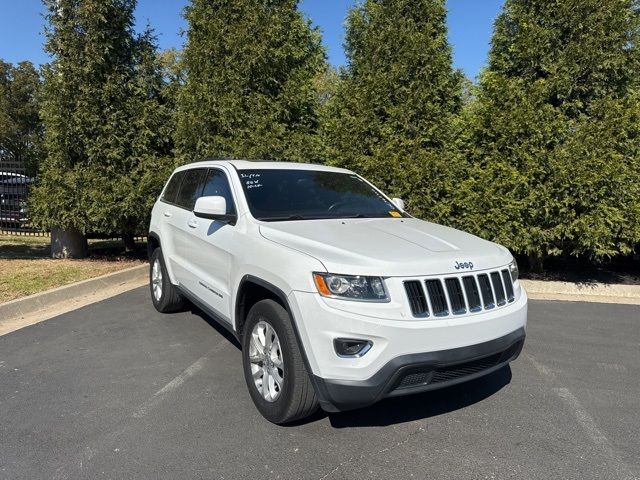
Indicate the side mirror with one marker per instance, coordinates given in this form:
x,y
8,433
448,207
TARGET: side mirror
x,y
398,202
213,208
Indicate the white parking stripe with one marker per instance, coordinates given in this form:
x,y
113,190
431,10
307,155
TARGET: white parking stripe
x,y
586,421
88,453
190,371
597,437
544,371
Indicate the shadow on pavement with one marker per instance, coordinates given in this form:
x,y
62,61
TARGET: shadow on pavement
x,y
424,405
214,324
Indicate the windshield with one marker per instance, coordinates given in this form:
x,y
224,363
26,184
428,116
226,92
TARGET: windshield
x,y
275,195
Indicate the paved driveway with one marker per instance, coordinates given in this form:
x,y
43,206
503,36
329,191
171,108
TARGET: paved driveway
x,y
117,390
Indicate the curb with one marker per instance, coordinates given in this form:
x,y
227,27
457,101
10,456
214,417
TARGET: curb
x,y
537,289
40,301
585,292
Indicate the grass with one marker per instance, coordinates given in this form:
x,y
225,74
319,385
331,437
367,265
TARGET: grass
x,y
26,267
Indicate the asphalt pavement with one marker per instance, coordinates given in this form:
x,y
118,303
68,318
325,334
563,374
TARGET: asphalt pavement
x,y
116,390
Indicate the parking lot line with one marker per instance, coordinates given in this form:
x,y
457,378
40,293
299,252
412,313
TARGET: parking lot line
x,y
174,384
63,473
597,437
585,420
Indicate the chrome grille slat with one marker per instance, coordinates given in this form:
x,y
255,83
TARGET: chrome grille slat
x,y
459,294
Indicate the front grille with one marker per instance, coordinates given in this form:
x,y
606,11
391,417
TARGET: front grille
x,y
506,278
459,294
487,293
456,296
430,375
438,299
417,299
473,294
498,288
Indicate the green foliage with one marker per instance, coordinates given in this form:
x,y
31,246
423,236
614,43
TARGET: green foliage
x,y
107,118
326,84
249,93
391,118
20,126
552,139
542,156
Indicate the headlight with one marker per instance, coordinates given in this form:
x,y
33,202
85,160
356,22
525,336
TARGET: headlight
x,y
351,287
513,268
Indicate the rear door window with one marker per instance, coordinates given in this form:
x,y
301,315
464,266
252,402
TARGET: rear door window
x,y
173,186
191,188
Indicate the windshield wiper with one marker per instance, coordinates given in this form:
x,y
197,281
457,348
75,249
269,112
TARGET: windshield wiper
x,y
285,217
297,216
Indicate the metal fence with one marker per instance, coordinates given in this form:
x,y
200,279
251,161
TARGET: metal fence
x,y
15,185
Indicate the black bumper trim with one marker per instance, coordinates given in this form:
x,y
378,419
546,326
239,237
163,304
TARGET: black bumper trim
x,y
340,395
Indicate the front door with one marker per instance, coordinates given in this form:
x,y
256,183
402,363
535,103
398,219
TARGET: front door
x,y
213,248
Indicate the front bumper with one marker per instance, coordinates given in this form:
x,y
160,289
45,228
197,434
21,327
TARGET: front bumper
x,y
420,349
320,322
420,372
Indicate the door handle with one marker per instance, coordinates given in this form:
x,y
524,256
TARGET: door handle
x,y
167,214
192,223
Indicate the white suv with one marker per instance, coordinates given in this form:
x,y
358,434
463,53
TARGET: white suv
x,y
338,296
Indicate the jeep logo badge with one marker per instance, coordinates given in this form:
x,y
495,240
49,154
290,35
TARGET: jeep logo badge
x,y
463,265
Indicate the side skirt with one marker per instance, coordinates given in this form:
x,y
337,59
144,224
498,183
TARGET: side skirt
x,y
220,320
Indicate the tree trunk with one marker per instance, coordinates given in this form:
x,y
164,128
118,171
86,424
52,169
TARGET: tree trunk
x,y
129,241
536,262
69,243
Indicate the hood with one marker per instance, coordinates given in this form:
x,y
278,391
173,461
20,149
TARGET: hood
x,y
387,246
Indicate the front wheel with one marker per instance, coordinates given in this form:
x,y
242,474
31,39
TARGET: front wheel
x,y
278,382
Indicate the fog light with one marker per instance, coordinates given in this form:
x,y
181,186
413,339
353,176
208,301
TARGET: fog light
x,y
349,347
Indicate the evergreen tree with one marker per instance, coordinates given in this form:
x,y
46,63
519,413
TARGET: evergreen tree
x,y
326,85
152,107
249,93
20,125
106,135
392,115
553,137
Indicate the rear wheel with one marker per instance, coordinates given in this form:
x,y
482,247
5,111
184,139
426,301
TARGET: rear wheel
x,y
274,371
164,295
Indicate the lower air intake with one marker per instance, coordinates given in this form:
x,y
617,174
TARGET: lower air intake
x,y
430,375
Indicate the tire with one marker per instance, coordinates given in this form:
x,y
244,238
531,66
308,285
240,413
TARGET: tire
x,y
166,299
294,398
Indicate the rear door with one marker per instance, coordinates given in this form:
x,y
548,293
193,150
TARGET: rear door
x,y
183,227
213,248
167,209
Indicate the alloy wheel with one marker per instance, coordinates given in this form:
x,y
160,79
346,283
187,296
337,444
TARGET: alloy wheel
x,y
267,365
156,280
